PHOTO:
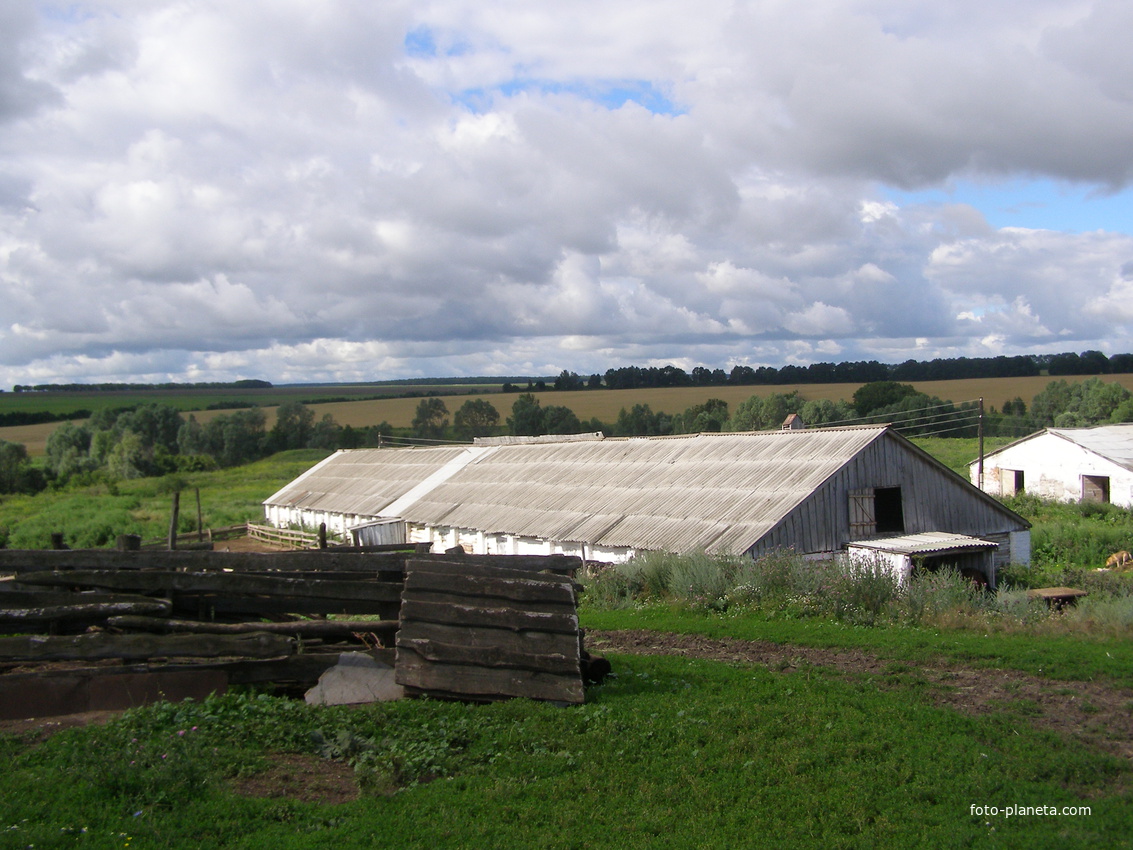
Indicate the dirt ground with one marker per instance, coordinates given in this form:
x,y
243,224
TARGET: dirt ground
x,y
1093,714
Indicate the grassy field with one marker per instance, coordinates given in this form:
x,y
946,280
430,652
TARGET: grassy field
x,y
95,516
671,752
586,404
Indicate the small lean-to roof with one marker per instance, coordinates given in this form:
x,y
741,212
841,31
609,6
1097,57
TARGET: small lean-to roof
x,y
925,543
718,492
1113,442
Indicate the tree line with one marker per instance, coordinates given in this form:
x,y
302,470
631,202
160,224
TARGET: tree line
x,y
247,384
848,372
156,439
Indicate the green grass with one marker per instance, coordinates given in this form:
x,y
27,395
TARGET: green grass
x,y
93,516
1071,657
957,452
670,753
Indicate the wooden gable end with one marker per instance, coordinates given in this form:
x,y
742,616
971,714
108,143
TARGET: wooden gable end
x,y
843,508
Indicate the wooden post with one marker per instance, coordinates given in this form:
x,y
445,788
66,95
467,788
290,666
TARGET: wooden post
x,y
173,520
322,535
981,434
200,536
129,542
57,541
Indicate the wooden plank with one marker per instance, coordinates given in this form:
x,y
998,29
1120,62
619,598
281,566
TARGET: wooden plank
x,y
340,629
491,598
563,564
80,608
17,561
442,565
502,656
429,651
262,606
134,646
486,682
495,617
476,638
165,581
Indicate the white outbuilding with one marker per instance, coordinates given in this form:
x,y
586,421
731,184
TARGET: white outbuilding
x,y
1064,464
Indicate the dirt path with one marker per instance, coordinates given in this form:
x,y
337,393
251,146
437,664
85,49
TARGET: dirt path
x,y
1089,712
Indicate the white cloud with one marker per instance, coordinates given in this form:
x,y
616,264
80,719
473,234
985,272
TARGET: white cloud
x,y
354,190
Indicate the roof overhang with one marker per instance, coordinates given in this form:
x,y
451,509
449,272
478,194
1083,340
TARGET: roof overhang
x,y
924,543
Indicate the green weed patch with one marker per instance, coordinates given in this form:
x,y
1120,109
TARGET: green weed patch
x,y
671,752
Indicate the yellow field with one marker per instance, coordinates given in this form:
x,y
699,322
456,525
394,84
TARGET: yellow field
x,y
605,404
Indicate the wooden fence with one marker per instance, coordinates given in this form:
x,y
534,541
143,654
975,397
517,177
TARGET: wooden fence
x,y
283,536
245,617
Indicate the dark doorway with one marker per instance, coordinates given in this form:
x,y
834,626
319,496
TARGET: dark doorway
x,y
1095,488
890,515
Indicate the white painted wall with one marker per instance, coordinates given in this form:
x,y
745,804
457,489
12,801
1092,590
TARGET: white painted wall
x,y
1052,469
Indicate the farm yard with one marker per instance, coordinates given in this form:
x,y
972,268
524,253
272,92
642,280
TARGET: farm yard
x,y
759,717
722,739
762,703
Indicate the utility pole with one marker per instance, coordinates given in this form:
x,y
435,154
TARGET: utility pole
x,y
981,434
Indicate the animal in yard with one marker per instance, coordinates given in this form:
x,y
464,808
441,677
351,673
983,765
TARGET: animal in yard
x,y
1119,560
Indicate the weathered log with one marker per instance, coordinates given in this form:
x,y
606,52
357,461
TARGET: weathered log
x,y
563,564
500,655
18,561
511,585
134,646
38,608
495,617
166,581
244,607
485,683
341,629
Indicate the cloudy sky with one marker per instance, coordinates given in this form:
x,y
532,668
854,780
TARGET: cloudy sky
x,y
310,190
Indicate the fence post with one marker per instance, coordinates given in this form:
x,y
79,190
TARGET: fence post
x,y
173,520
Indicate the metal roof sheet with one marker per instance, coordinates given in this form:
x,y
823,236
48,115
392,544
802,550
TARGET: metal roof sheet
x,y
1114,442
718,491
925,543
365,481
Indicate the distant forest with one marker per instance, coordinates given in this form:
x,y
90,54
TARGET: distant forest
x,y
634,377
849,372
250,384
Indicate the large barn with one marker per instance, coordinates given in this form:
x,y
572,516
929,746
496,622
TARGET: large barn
x,y
817,492
1065,464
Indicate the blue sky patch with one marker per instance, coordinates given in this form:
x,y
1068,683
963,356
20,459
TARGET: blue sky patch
x,y
420,42
611,94
1040,204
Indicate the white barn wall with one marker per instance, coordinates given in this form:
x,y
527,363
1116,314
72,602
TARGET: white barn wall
x,y
1052,468
484,543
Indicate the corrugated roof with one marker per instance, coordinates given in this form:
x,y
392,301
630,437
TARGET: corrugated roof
x,y
925,543
1114,442
366,481
706,491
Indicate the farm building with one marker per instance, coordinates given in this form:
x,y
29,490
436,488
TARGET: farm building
x,y
1067,464
813,491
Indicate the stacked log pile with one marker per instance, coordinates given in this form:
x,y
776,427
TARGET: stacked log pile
x,y
234,617
489,632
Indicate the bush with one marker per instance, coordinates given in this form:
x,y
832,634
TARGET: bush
x,y
928,594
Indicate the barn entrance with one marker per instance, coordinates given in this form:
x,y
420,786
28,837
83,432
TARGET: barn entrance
x,y
1095,488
